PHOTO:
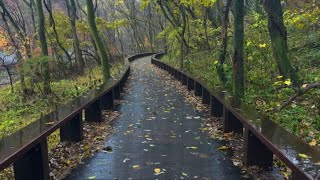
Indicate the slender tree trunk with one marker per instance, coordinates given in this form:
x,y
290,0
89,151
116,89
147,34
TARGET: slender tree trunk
x,y
18,56
184,26
95,34
120,40
224,43
76,44
55,33
238,68
44,47
278,36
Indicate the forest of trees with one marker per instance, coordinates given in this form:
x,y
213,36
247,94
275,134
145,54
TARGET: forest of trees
x,y
55,50
266,52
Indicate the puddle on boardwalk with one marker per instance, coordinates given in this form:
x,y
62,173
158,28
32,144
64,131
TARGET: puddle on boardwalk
x,y
157,137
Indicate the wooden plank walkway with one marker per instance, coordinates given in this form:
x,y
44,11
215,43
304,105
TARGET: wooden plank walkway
x,y
157,130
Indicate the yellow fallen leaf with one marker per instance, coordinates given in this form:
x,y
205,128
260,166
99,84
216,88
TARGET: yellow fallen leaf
x,y
192,147
130,125
304,156
185,174
136,166
204,129
157,170
313,142
50,123
221,148
287,82
92,177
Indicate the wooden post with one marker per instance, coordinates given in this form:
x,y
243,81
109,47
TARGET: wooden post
x,y
171,71
216,108
197,89
34,164
121,84
116,91
176,74
106,100
179,76
255,152
205,96
190,84
184,80
231,123
72,131
93,113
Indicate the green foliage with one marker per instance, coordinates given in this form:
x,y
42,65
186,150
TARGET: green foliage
x,y
265,89
17,112
63,28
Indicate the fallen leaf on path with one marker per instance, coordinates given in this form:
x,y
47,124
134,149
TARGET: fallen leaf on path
x,y
304,156
136,166
192,147
125,160
221,148
313,142
91,177
185,174
157,170
204,129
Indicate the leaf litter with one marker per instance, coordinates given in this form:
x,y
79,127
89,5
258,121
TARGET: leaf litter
x,y
65,156
213,127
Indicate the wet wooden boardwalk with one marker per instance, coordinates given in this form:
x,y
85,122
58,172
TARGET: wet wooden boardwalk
x,y
157,136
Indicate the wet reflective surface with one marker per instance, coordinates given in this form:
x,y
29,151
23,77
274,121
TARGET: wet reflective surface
x,y
290,146
157,129
285,145
16,144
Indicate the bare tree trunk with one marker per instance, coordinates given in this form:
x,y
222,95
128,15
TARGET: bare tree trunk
x,y
78,54
44,47
224,43
238,68
184,26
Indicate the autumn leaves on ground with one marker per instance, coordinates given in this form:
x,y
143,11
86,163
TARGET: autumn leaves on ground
x,y
265,52
159,135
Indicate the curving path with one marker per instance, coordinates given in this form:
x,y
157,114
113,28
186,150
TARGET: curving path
x,y
157,131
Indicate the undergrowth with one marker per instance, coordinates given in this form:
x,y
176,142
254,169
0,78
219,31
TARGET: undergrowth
x,y
302,117
17,112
